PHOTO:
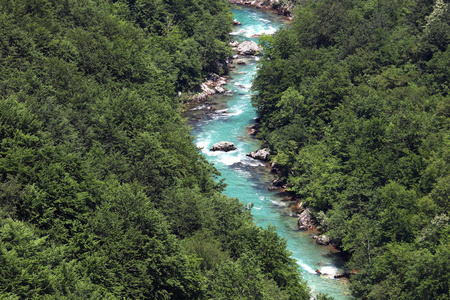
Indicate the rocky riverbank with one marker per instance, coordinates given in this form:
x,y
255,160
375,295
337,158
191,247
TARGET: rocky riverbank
x,y
283,9
213,83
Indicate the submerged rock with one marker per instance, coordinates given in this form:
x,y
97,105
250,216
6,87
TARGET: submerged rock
x,y
223,146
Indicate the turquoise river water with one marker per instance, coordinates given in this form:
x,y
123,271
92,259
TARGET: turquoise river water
x,y
226,118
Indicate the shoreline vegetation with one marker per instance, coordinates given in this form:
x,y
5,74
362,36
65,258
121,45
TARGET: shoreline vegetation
x,y
103,195
353,102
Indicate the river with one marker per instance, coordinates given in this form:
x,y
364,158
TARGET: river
x,y
226,118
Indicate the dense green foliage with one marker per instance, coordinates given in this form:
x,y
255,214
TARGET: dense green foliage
x,y
354,102
102,193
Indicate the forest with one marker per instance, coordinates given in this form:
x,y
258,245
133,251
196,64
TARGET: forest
x,y
103,194
354,103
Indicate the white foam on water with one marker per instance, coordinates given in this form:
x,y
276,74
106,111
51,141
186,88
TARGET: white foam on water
x,y
237,112
225,158
254,31
264,20
242,173
306,268
248,161
202,145
220,116
279,204
237,32
259,31
329,270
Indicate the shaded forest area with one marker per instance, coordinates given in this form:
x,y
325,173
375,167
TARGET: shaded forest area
x,y
354,102
102,193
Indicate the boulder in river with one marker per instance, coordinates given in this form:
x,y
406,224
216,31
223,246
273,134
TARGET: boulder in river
x,y
305,220
323,240
236,22
249,48
240,62
261,154
223,146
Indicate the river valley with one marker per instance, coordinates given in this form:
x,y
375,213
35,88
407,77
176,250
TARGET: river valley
x,y
227,118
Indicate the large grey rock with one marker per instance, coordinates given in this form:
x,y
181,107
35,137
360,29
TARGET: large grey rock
x,y
261,154
323,240
223,146
249,48
305,220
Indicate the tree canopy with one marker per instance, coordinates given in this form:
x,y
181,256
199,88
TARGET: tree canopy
x,y
354,103
103,195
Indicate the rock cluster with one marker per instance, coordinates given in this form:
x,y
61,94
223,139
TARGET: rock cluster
x,y
211,86
223,146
